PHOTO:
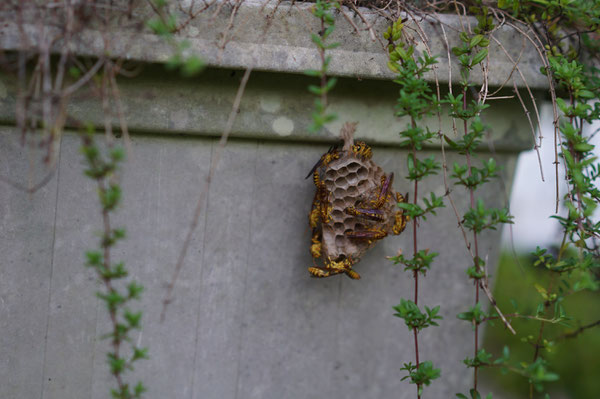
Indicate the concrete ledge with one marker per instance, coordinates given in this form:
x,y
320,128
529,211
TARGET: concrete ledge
x,y
274,107
277,39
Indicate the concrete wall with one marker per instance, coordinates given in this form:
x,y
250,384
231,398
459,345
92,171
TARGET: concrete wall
x,y
247,320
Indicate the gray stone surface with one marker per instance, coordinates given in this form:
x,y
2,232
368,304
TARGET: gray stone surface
x,y
26,237
247,320
73,307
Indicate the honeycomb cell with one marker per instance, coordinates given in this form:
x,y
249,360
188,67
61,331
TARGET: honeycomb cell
x,y
352,191
341,182
352,179
337,214
330,174
343,171
338,192
338,226
347,219
363,173
339,203
353,166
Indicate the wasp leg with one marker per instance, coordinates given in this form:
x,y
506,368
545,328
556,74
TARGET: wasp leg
x,y
371,214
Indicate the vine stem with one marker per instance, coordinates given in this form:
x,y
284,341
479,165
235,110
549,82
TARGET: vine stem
x,y
476,249
116,340
416,272
323,70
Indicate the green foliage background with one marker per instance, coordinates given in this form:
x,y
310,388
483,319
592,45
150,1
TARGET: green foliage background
x,y
576,360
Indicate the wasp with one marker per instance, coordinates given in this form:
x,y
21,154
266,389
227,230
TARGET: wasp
x,y
386,183
374,213
325,159
371,214
315,248
335,267
400,219
362,150
370,234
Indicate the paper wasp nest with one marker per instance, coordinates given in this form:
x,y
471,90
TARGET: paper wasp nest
x,y
350,182
354,206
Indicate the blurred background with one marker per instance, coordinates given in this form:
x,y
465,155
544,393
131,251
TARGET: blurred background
x,y
577,361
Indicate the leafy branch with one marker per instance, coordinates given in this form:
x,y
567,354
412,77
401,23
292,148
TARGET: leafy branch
x,y
415,101
102,168
323,11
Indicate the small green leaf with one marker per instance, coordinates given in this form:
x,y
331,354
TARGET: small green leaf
x,y
479,56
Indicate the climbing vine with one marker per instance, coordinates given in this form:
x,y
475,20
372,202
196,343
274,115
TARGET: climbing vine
x,y
415,101
323,11
102,166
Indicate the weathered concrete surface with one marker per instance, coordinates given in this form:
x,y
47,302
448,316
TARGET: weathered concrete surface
x,y
247,321
273,36
274,107
27,239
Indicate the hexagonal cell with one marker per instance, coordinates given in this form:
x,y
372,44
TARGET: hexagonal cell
x,y
363,173
363,184
339,192
339,203
329,185
343,170
338,226
353,166
341,181
330,174
337,214
352,191
352,178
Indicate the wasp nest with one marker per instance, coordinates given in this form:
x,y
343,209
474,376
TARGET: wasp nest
x,y
354,206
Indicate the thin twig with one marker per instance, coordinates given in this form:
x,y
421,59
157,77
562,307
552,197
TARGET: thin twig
x,y
204,191
527,113
573,334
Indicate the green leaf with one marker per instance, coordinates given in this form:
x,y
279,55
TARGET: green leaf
x,y
133,318
313,72
192,66
479,57
474,394
139,389
315,89
475,40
